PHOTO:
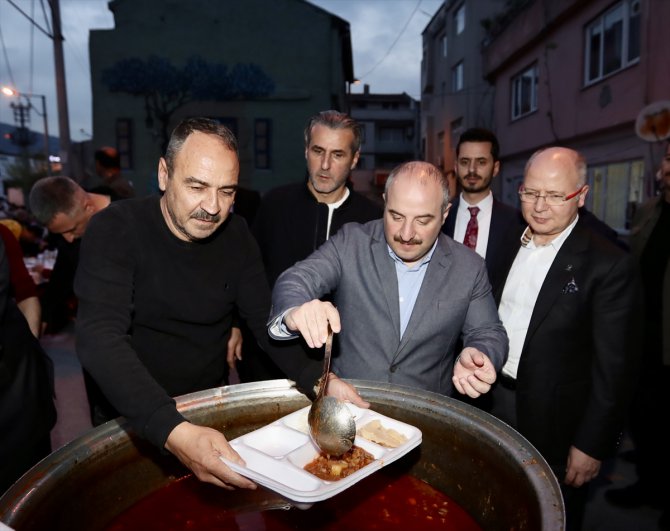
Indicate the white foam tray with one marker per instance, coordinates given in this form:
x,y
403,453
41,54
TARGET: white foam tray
x,y
276,454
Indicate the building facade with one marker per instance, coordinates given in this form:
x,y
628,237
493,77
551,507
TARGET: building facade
x,y
164,61
454,94
390,131
578,74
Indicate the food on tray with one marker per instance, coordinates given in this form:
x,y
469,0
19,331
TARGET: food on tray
x,y
375,432
335,468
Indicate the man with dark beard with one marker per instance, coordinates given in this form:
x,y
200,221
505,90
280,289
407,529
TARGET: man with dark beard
x,y
489,227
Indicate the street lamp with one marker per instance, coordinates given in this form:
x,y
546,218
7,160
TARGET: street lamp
x,y
7,91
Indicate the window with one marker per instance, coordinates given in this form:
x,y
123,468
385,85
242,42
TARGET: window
x,y
262,131
391,134
524,92
444,45
612,41
615,189
457,77
124,137
459,19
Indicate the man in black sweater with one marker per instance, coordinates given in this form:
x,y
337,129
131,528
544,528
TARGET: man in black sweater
x,y
159,281
295,219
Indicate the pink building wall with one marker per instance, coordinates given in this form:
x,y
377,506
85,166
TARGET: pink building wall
x,y
598,119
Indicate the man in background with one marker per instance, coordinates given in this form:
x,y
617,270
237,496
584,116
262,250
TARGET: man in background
x,y
65,209
294,220
650,244
478,220
108,168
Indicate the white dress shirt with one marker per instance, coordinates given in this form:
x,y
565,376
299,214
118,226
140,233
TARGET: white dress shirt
x,y
483,222
522,287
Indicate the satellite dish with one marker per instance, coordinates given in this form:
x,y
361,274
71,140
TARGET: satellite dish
x,y
653,122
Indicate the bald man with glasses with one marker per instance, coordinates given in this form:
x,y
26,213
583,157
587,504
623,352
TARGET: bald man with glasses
x,y
567,304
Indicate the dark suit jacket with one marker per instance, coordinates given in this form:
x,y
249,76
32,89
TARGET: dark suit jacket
x,y
578,365
507,225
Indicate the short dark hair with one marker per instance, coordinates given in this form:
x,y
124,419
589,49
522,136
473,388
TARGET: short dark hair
x,y
108,157
479,134
334,120
50,196
201,125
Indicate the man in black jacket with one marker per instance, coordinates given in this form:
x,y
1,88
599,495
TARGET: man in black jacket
x,y
294,220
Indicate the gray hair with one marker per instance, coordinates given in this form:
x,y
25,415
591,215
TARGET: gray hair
x,y
50,196
334,120
191,125
423,169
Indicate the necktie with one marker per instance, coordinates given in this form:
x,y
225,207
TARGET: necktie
x,y
472,229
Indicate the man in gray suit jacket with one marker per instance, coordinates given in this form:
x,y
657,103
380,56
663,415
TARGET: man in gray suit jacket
x,y
404,295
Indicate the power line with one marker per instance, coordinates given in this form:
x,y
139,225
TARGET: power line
x,y
72,44
11,2
32,49
409,19
4,53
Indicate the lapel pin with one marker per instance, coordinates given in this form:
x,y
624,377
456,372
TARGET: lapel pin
x,y
570,287
568,267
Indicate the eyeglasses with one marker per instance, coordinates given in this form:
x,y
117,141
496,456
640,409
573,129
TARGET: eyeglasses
x,y
551,198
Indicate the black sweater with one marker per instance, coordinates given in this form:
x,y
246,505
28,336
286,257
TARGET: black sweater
x,y
155,312
291,224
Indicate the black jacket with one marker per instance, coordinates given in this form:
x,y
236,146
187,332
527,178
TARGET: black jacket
x,y
507,225
291,224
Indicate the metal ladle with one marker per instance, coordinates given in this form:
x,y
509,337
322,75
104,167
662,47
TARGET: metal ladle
x,y
331,424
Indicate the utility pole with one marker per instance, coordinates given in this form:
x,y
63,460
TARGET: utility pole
x,y
61,89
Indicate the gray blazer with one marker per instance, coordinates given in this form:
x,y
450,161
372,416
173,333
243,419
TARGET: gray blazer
x,y
454,300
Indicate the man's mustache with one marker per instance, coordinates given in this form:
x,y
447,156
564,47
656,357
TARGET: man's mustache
x,y
204,216
413,241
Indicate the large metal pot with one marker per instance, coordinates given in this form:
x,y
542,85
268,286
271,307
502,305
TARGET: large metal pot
x,y
481,463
